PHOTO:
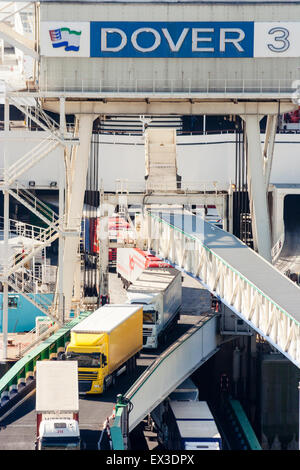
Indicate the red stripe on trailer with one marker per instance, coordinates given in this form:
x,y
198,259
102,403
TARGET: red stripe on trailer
x,y
152,261
38,422
138,262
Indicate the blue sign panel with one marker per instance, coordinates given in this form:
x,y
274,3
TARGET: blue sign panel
x,y
171,39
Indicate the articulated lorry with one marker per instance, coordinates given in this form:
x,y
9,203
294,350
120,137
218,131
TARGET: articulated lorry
x,y
159,292
131,262
105,344
57,406
191,426
182,422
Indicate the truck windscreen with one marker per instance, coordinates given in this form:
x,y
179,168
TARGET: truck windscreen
x,y
85,359
58,443
149,316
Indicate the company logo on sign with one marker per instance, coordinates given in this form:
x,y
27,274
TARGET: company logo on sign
x,y
65,37
131,263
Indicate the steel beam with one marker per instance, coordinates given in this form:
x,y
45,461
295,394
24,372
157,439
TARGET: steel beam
x,y
26,45
76,190
170,105
269,147
5,283
184,198
257,188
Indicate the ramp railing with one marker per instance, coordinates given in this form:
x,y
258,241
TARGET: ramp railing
x,y
191,254
170,369
21,375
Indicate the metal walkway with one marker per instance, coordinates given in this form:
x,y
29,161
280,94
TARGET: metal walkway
x,y
177,363
249,285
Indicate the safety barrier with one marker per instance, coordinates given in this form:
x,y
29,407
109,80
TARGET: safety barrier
x,y
276,250
21,375
245,427
173,366
245,282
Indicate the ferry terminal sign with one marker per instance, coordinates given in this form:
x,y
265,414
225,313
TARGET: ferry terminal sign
x,y
129,39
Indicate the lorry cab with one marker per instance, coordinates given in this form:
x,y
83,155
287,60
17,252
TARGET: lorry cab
x,y
186,391
59,434
105,344
90,353
151,308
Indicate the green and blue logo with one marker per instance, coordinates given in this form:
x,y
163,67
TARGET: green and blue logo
x,y
65,37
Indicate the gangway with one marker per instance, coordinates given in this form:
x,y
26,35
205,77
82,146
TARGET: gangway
x,y
244,281
171,368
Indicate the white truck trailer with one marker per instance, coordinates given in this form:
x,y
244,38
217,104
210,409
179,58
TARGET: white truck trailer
x,y
186,391
57,405
182,422
159,291
191,426
131,262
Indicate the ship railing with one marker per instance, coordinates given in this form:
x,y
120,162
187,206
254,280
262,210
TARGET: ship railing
x,y
171,85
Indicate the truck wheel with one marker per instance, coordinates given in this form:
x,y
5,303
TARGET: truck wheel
x,y
128,367
131,365
105,385
162,339
134,361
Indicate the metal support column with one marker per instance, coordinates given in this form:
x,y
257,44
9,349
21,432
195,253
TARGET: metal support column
x,y
103,251
62,116
299,417
6,235
78,169
257,187
5,284
61,216
269,147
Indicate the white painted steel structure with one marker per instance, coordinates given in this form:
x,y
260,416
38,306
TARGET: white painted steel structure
x,y
249,285
172,367
250,76
148,86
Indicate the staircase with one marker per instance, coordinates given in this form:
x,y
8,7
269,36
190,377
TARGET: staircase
x,y
11,270
27,287
41,238
29,160
46,238
18,228
35,205
38,116
42,119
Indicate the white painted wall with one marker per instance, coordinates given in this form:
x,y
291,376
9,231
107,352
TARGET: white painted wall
x,y
207,158
286,162
20,142
201,160
121,157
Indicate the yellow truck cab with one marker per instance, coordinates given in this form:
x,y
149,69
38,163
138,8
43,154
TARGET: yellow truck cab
x,y
105,344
